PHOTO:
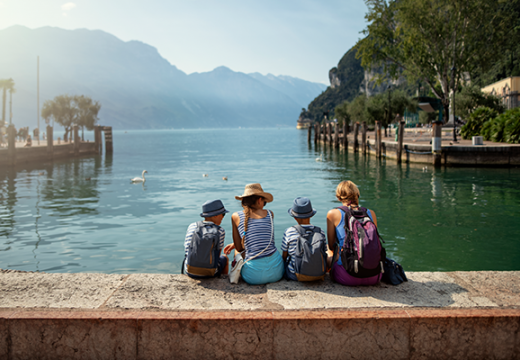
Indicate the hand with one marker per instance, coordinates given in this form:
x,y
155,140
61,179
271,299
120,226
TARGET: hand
x,y
229,248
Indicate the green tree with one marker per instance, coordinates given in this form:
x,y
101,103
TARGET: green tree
x,y
471,97
5,85
357,109
68,111
342,114
385,107
476,121
434,41
87,113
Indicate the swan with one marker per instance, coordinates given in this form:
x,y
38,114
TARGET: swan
x,y
204,175
139,179
320,158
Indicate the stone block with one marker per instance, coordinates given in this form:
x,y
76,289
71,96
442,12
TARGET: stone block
x,y
206,335
465,335
44,335
351,335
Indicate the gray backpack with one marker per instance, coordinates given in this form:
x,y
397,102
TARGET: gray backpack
x,y
204,253
310,258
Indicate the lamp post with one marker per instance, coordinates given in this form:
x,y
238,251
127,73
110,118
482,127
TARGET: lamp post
x,y
453,104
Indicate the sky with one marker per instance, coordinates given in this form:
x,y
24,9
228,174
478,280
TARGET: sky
x,y
299,38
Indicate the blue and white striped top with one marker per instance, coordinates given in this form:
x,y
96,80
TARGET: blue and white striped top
x,y
258,236
189,235
290,238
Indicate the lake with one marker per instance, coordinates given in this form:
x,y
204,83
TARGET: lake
x,y
84,215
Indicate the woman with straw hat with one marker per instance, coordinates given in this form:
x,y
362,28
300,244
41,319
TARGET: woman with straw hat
x,y
253,236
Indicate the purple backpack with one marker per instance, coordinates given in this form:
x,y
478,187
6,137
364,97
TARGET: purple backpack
x,y
362,253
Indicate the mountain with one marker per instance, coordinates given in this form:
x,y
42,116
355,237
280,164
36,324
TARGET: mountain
x,y
136,87
346,82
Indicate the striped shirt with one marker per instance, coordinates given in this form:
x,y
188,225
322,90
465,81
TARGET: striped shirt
x,y
189,235
259,236
290,239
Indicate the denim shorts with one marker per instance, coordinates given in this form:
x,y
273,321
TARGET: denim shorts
x,y
264,270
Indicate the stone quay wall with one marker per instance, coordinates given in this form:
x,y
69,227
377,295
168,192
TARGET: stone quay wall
x,y
454,315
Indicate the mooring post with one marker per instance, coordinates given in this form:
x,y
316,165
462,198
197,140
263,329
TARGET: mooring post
x,y
336,135
364,137
50,143
345,133
76,140
356,140
108,140
11,144
400,134
316,127
309,131
437,143
97,139
378,139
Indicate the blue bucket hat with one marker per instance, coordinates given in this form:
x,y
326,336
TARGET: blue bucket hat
x,y
302,208
213,208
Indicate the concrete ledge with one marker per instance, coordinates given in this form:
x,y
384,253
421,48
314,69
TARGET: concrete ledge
x,y
454,315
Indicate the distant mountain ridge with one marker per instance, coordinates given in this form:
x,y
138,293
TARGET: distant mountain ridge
x,y
138,88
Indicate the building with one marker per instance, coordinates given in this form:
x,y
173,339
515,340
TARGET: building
x,y
507,89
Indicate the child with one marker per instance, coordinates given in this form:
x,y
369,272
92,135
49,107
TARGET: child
x,y
314,263
204,242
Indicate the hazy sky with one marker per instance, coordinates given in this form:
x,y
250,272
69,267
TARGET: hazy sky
x,y
300,38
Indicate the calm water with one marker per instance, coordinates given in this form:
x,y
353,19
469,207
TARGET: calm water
x,y
53,219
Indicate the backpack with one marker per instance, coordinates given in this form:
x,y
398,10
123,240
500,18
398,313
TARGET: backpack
x,y
362,253
204,253
310,258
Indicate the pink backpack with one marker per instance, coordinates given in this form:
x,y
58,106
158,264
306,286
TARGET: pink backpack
x,y
362,254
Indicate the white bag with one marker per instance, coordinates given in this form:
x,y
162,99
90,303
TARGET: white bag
x,y
234,273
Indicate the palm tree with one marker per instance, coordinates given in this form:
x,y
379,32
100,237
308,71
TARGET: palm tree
x,y
6,84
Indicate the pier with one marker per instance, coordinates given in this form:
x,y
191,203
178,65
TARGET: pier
x,y
416,145
50,149
435,315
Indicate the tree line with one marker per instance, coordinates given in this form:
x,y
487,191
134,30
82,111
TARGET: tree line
x,y
65,110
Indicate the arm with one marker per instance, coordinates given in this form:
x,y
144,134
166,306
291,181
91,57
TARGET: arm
x,y
333,219
237,239
284,256
373,216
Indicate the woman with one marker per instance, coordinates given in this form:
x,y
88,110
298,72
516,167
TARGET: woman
x,y
253,232
348,194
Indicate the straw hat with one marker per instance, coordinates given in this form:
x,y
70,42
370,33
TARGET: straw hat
x,y
255,189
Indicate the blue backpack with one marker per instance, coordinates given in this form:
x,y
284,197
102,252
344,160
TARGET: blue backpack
x,y
204,253
310,258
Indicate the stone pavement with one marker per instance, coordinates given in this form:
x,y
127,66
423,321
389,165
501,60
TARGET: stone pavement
x,y
452,290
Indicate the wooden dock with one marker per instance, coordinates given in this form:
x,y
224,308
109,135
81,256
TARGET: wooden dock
x,y
50,150
417,145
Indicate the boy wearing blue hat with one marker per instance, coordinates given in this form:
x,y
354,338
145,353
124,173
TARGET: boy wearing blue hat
x,y
304,246
204,243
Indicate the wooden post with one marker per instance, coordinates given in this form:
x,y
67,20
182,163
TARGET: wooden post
x,y
11,144
345,133
400,134
336,135
50,143
437,143
316,130
364,129
76,140
309,131
108,140
97,139
327,133
378,139
356,133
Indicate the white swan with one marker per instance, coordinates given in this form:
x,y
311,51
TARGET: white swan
x,y
139,179
320,158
